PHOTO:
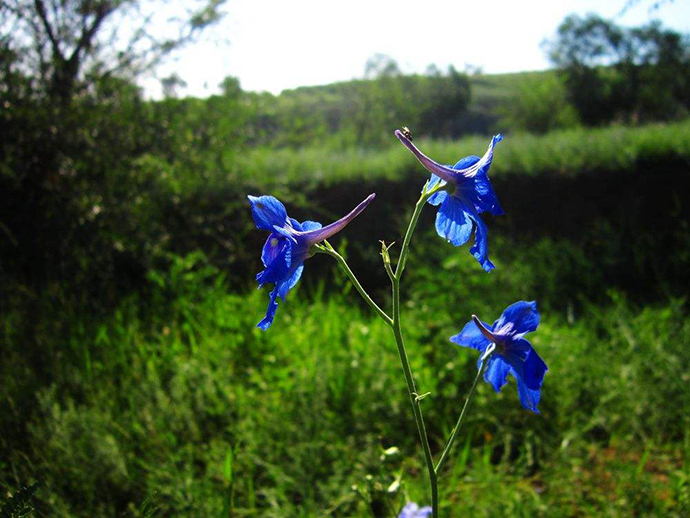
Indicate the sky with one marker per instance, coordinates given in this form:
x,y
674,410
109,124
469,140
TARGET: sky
x,y
272,45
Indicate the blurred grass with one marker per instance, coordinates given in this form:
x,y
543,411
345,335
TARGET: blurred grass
x,y
173,404
182,406
569,152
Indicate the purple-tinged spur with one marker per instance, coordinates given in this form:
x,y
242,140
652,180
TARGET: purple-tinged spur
x,y
288,246
412,510
468,193
513,354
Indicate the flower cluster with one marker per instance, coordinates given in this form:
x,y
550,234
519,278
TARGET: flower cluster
x,y
461,192
466,192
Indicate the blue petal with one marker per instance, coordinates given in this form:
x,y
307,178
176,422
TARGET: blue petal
x,y
470,336
439,197
452,222
528,397
529,375
270,311
311,225
412,510
466,162
277,268
267,212
485,196
534,370
497,372
480,250
281,289
295,224
517,319
286,231
289,283
272,248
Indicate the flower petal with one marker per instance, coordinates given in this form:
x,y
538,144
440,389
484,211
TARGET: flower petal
x,y
270,311
439,197
314,236
528,397
480,250
289,283
267,212
466,162
471,336
485,196
272,248
412,510
295,224
483,164
496,372
278,267
452,222
517,319
529,375
311,225
534,370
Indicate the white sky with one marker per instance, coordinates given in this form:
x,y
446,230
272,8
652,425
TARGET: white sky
x,y
280,44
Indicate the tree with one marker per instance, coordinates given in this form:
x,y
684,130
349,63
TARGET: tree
x,y
64,45
72,128
616,73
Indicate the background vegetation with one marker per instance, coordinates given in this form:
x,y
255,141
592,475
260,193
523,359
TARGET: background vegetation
x,y
134,381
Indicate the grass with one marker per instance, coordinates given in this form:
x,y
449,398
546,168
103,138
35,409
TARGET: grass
x,y
180,406
174,404
566,152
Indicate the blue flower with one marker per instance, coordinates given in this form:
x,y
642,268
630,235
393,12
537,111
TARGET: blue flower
x,y
514,355
287,247
412,510
468,194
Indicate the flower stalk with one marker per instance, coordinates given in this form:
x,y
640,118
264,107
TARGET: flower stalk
x,y
461,418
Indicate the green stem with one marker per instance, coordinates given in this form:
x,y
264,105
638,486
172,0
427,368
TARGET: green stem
x,y
397,331
412,392
326,248
451,439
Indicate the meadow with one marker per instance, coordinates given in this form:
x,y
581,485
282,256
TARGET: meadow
x,y
171,403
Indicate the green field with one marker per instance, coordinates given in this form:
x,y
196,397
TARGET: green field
x,y
173,404
613,149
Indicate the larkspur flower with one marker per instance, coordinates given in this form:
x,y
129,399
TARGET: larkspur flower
x,y
468,193
412,510
288,246
513,354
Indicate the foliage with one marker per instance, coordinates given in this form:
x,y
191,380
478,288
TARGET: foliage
x,y
356,113
149,403
66,46
618,74
540,105
19,504
563,152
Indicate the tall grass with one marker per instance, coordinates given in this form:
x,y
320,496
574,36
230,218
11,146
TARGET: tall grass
x,y
183,407
571,151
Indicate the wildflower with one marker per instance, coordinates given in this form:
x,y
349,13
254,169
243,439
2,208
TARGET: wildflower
x,y
412,510
288,246
514,355
468,193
